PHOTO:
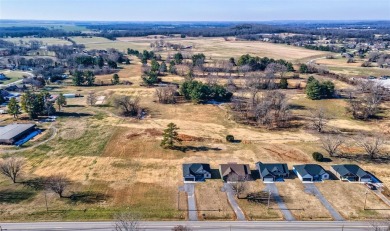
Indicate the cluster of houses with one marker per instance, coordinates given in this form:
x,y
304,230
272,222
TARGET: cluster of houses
x,y
277,172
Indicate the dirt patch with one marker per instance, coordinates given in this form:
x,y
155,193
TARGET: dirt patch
x,y
188,138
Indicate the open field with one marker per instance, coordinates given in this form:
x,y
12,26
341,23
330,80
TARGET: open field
x,y
45,41
119,163
218,48
12,75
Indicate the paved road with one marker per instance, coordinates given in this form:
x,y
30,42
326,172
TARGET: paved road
x,y
232,200
312,189
192,212
196,225
271,187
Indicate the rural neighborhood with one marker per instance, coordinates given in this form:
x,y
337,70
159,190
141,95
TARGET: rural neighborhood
x,y
269,125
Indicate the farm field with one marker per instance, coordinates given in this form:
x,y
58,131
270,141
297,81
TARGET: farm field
x,y
116,163
45,41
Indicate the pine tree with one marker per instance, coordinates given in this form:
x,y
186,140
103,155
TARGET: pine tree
x,y
115,79
13,108
283,83
170,136
61,101
313,90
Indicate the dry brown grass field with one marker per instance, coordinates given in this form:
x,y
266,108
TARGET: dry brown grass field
x,y
120,163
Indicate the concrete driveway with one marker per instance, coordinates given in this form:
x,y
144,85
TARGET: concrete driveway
x,y
189,188
227,188
271,187
311,188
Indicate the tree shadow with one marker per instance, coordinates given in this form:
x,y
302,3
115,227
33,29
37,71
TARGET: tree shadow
x,y
15,196
74,105
36,183
297,107
87,197
195,149
73,114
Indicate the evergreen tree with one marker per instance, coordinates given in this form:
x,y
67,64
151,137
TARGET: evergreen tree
x,y
170,136
155,65
89,78
61,101
283,83
163,67
178,58
303,68
100,61
115,79
172,68
13,108
78,78
313,90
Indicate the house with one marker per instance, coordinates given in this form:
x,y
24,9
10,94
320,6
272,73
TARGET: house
x,y
272,172
11,133
351,173
196,172
310,172
233,172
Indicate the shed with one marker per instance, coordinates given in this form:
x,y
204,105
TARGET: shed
x,y
11,133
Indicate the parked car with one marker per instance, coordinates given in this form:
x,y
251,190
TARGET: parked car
x,y
371,186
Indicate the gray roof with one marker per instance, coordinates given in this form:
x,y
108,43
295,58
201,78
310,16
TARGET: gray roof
x,y
311,169
274,169
195,168
344,169
13,130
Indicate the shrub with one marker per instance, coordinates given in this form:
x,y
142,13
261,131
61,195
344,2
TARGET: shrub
x,y
318,156
229,138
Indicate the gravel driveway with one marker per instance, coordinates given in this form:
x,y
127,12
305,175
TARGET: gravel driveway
x,y
271,187
312,189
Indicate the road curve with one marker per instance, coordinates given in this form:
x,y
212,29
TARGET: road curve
x,y
194,225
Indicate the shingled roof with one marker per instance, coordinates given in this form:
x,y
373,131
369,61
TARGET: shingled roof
x,y
13,130
311,169
345,169
274,169
239,169
195,168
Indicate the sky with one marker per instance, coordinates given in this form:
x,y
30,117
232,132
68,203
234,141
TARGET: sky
x,y
195,10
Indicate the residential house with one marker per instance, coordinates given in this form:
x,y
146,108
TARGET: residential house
x,y
196,172
351,173
310,172
233,172
270,172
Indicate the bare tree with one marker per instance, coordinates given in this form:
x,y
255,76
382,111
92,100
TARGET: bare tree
x,y
126,221
237,183
128,105
91,98
319,118
365,103
371,144
166,95
331,144
57,184
11,167
244,69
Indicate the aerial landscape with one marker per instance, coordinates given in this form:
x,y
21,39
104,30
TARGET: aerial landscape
x,y
160,117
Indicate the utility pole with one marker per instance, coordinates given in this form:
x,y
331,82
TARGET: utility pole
x,y
269,198
47,207
365,201
178,200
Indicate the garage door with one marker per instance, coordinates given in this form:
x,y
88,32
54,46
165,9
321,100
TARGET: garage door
x,y
268,179
189,179
306,179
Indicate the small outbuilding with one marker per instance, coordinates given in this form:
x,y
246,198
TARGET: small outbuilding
x,y
196,172
233,172
310,172
270,172
11,133
351,173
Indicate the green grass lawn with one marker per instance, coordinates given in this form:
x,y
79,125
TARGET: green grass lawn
x,y
12,75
